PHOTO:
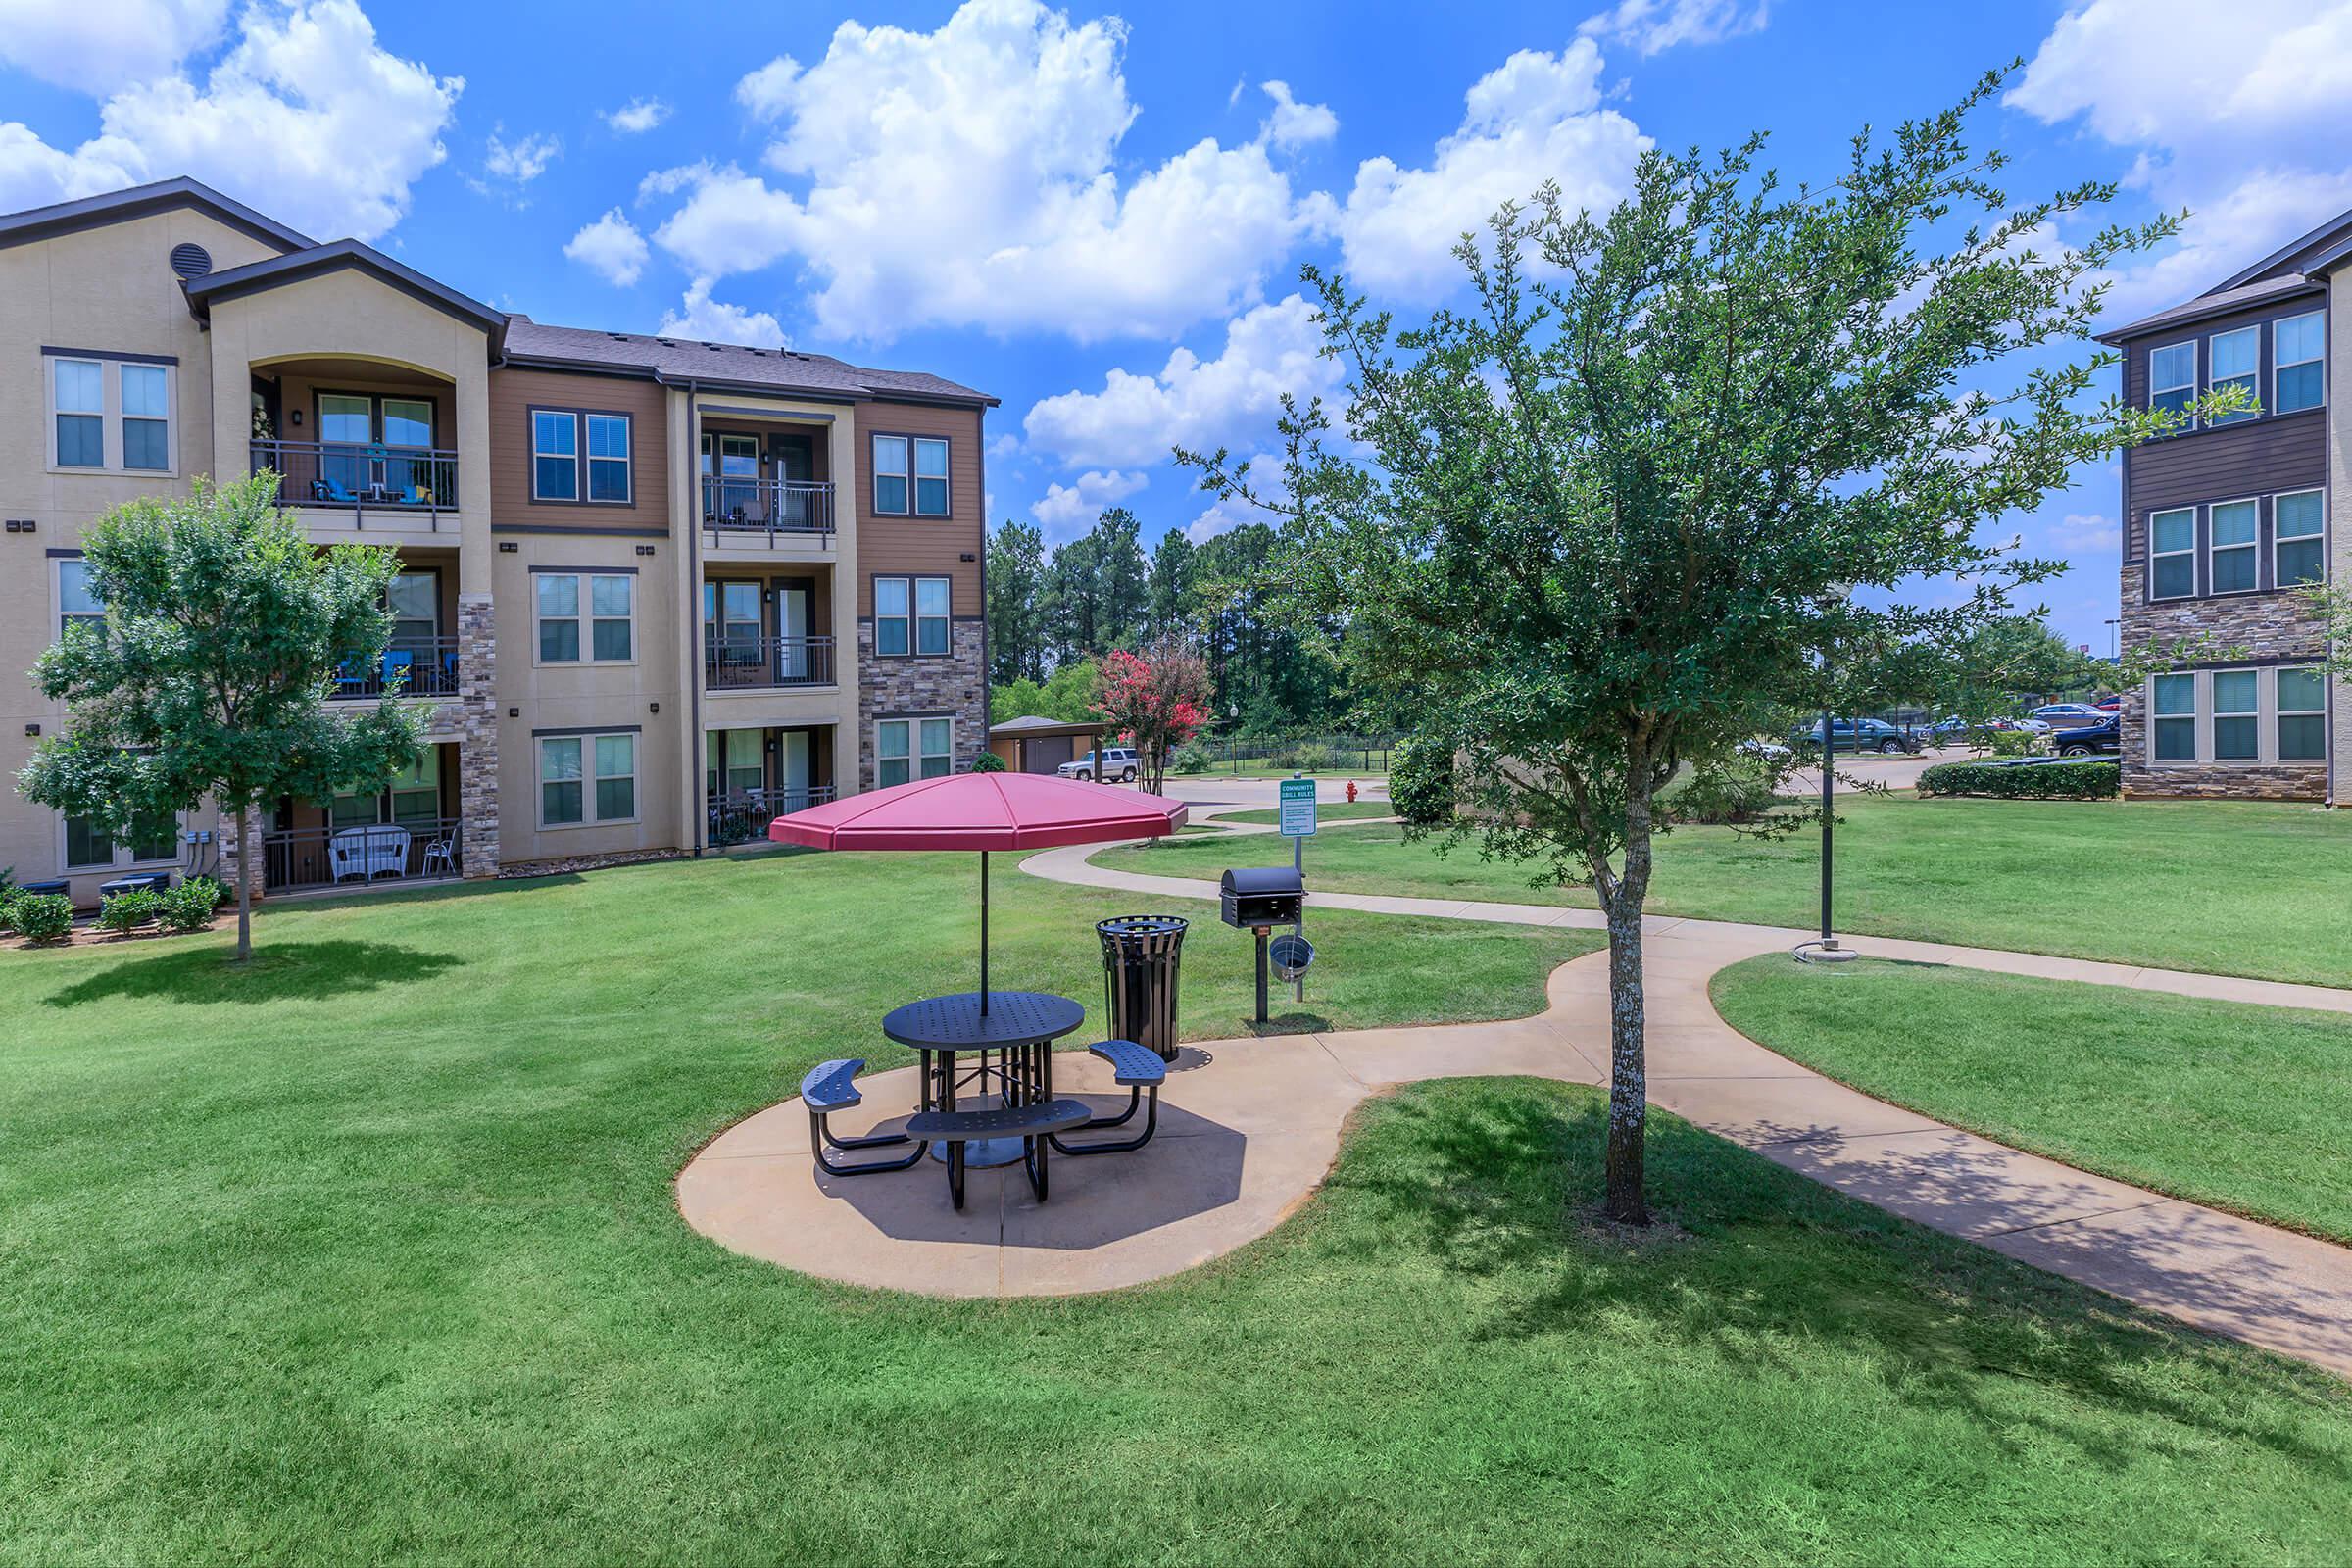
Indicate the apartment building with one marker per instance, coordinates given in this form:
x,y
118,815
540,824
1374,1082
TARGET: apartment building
x,y
652,592
2226,520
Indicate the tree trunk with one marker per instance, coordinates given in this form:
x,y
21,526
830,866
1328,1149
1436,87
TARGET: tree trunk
x,y
247,849
1624,1199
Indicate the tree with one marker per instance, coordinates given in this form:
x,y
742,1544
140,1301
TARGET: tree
x,y
1068,695
1093,590
1172,599
223,633
1626,502
1016,580
1155,700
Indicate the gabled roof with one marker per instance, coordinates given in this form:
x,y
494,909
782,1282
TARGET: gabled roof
x,y
280,271
1032,725
673,359
121,206
2304,255
2206,306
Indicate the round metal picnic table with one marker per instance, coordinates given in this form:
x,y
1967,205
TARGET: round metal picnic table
x,y
1018,1031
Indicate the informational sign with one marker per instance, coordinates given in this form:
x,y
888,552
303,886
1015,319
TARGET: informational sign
x,y
1297,808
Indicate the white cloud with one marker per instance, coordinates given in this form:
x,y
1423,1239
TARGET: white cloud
x,y
968,176
711,321
1005,446
637,115
97,46
1536,117
1293,123
305,116
1072,508
1269,349
2082,531
1652,25
520,162
612,248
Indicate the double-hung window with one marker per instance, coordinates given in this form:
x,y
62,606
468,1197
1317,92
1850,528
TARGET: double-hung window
x,y
77,601
930,477
890,474
568,765
2172,376
893,631
930,615
554,455
80,387
913,748
608,600
2299,521
89,394
2236,715
2237,364
2302,716
2298,346
2236,545
91,846
608,457
147,417
2172,554
2175,719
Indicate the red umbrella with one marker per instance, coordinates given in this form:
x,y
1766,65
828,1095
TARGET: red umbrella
x,y
981,811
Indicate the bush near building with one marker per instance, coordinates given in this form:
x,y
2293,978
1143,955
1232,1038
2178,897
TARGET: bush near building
x,y
2096,780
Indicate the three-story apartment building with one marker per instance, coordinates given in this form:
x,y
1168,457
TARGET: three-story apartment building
x,y
2226,520
653,590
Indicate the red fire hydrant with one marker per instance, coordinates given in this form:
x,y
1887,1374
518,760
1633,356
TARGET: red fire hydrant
x,y
1352,791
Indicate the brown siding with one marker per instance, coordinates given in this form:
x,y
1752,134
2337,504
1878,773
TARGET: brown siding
x,y
514,393
892,545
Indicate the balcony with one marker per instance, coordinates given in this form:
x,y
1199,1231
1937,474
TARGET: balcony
x,y
785,511
308,860
418,666
761,664
401,487
742,818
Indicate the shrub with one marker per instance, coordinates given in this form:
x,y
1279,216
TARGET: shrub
x,y
190,906
1305,759
2095,779
1738,788
2015,743
1191,759
42,916
8,909
988,762
123,912
1421,782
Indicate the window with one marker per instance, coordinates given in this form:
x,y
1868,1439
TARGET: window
x,y
608,456
559,783
930,615
615,777
146,417
80,413
893,631
2237,362
2237,726
75,600
890,474
2175,718
569,763
91,846
913,748
414,600
2297,520
2236,544
611,602
930,477
2298,345
2173,552
554,455
2172,377
2302,720
87,842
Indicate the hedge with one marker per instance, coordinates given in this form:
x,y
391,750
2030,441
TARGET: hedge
x,y
2094,779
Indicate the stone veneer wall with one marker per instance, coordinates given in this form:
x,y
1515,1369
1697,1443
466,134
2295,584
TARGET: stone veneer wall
x,y
475,719
2259,627
889,687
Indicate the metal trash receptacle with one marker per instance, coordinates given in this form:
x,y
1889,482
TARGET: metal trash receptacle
x,y
1139,961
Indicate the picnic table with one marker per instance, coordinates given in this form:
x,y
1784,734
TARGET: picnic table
x,y
1013,1041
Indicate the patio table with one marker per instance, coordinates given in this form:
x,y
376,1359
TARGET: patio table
x,y
1018,1031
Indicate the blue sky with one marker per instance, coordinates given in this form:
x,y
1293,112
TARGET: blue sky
x,y
1099,216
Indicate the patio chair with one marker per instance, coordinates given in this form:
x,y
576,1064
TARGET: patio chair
x,y
439,851
1139,1070
400,662
829,1088
333,490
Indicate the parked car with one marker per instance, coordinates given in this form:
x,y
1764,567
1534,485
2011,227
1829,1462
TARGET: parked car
x,y
1767,751
2105,738
1856,735
2109,705
1118,761
2067,716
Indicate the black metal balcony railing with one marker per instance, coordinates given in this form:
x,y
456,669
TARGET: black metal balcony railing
x,y
359,856
424,667
735,663
790,508
361,477
742,818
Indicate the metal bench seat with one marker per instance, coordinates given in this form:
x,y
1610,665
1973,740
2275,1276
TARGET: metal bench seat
x,y
831,1087
1035,1126
1139,1070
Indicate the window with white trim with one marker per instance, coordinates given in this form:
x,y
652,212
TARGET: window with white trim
x,y
2236,715
78,389
2172,376
146,417
554,455
2172,554
894,620
411,798
2298,350
2302,707
2174,710
77,601
930,477
91,846
2236,363
2236,545
2299,521
913,748
890,474
608,457
930,615
89,395
586,779
606,601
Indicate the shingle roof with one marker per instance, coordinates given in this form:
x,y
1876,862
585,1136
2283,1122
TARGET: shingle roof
x,y
2209,305
682,358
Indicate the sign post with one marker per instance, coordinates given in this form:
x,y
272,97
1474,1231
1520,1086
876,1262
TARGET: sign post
x,y
1299,825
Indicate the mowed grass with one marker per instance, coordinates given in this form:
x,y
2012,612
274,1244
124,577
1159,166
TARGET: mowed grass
x,y
1325,811
368,1253
2226,887
2245,1107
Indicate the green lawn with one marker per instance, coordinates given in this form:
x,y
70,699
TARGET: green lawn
x,y
2227,887
2245,1107
1325,811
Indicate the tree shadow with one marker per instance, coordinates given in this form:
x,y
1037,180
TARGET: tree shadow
x,y
277,972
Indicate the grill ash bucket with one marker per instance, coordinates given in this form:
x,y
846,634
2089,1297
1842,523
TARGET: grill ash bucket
x,y
1140,958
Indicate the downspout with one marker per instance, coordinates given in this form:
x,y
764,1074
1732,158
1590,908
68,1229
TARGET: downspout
x,y
695,744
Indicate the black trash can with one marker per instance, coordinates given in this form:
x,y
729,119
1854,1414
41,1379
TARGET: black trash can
x,y
1139,955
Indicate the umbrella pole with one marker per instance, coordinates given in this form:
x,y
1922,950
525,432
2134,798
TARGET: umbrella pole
x,y
983,933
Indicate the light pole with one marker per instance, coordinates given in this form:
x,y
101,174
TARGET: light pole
x,y
1824,948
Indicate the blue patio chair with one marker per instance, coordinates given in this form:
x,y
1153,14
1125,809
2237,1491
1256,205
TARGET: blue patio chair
x,y
350,675
330,490
401,663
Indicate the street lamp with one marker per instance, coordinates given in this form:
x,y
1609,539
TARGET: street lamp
x,y
1824,948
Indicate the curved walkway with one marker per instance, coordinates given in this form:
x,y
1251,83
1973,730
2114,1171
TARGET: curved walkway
x,y
1249,1127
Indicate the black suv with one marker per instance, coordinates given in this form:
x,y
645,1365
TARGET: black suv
x,y
2103,739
